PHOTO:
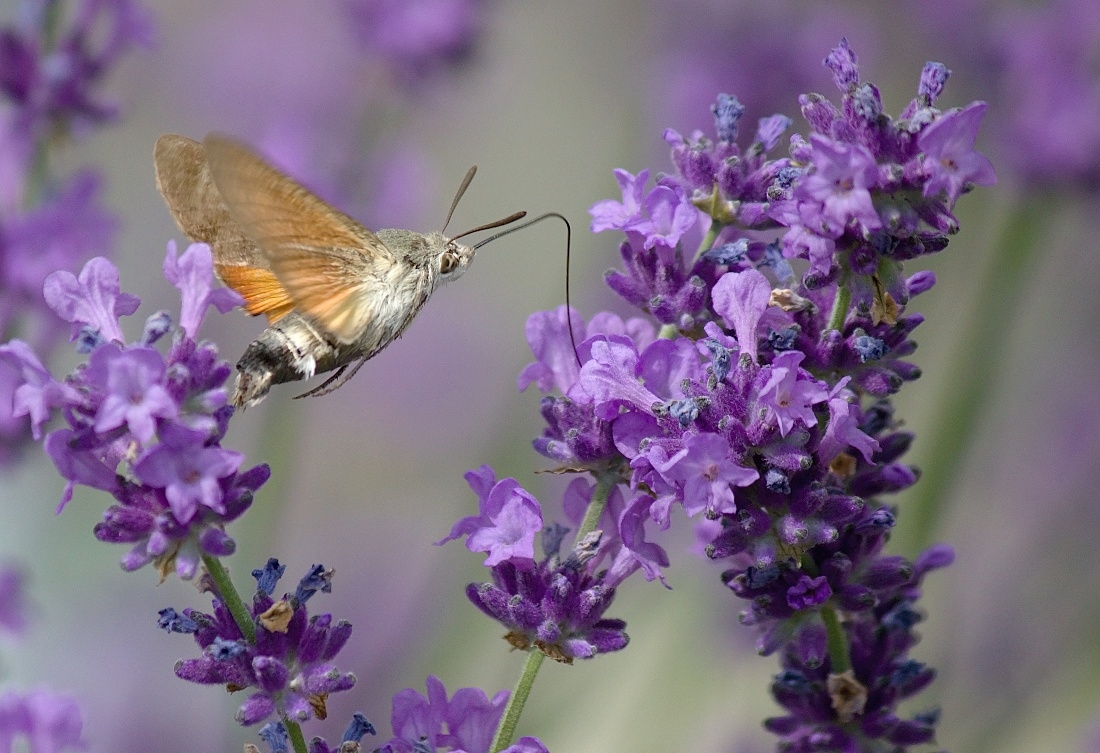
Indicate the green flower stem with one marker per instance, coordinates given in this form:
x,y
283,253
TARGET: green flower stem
x,y
709,238
836,641
507,729
605,482
977,361
297,739
841,304
230,597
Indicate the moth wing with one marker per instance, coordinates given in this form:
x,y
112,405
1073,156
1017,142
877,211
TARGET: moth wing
x,y
329,264
185,181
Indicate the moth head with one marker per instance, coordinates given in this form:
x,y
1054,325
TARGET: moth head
x,y
454,260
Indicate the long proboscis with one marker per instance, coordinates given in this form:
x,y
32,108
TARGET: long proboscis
x,y
568,246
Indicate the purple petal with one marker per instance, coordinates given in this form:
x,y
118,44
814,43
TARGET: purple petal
x,y
740,298
93,300
193,274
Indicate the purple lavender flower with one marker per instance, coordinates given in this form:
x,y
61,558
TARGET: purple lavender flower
x,y
135,397
557,603
464,723
289,665
575,436
49,722
508,519
948,147
764,402
142,426
856,710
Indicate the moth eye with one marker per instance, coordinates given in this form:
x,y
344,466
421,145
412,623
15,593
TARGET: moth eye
x,y
448,263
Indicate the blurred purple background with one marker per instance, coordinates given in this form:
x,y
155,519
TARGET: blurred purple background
x,y
548,101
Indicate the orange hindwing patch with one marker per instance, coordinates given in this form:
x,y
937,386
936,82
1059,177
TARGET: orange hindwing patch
x,y
260,289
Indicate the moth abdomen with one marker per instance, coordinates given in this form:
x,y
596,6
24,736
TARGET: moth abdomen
x,y
290,350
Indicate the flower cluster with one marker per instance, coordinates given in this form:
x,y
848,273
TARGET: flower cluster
x,y
144,426
289,659
556,604
763,402
48,90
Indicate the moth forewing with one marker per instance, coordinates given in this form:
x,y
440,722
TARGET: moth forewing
x,y
185,181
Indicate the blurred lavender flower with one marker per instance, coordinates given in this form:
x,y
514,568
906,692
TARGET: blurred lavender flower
x,y
50,75
464,723
49,722
417,38
142,426
1041,62
763,406
290,662
1049,72
49,79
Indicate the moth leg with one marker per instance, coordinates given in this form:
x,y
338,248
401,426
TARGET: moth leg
x,y
317,390
324,388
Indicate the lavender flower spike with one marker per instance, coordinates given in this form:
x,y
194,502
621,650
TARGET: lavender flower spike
x,y
764,406
289,667
143,426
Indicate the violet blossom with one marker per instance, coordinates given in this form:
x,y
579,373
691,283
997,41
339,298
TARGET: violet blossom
x,y
142,426
555,604
289,664
466,722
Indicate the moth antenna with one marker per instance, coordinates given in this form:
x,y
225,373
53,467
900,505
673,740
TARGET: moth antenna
x,y
461,190
324,389
489,226
568,246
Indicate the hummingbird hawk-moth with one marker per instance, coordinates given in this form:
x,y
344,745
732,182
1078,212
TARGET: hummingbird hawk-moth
x,y
333,292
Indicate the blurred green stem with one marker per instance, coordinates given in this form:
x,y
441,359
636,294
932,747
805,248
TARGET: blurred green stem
x,y
975,367
836,641
507,729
